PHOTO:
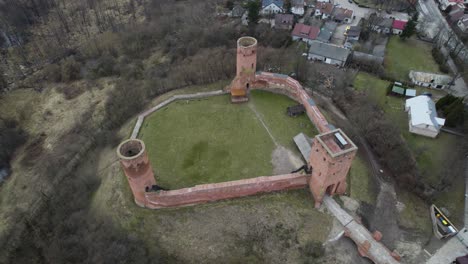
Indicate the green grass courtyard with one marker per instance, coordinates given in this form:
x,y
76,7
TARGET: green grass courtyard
x,y
411,54
211,140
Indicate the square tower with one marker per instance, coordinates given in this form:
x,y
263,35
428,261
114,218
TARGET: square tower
x,y
331,157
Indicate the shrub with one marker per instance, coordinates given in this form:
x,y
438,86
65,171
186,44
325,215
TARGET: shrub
x,y
70,69
52,73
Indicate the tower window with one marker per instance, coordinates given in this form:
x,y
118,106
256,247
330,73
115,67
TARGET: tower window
x,y
252,65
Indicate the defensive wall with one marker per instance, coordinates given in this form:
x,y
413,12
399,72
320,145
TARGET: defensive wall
x,y
217,191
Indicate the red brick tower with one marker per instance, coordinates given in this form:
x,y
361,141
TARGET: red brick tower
x,y
331,156
246,67
137,168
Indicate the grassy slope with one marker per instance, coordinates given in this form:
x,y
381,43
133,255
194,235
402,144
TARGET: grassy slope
x,y
403,56
211,140
429,153
360,182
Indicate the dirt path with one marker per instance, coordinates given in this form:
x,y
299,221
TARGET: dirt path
x,y
259,117
283,160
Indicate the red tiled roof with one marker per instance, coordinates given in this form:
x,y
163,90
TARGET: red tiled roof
x,y
305,31
325,8
398,24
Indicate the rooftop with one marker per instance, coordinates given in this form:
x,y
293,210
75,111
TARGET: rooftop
x,y
278,3
329,141
423,111
305,31
329,51
399,24
427,77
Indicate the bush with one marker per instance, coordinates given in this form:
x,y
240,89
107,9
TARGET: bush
x,y
52,73
104,67
11,137
70,69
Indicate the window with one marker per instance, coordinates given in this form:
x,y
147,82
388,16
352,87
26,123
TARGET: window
x,y
252,65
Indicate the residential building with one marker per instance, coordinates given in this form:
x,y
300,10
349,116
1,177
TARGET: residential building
x,y
455,14
463,23
284,21
353,33
297,7
324,10
422,116
305,33
342,15
328,53
398,26
272,7
326,32
383,25
444,4
433,80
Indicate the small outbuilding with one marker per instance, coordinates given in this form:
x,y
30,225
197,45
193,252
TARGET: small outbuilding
x,y
432,80
296,110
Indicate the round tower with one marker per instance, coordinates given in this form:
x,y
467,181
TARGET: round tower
x,y
246,57
246,67
137,168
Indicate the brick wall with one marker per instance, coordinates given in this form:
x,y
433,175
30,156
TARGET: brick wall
x,y
226,190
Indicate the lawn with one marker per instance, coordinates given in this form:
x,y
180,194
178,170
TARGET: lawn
x,y
430,153
403,56
211,140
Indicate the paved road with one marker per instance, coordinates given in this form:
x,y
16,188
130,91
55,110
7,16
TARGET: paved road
x,y
429,9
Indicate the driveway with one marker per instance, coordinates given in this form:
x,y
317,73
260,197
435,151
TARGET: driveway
x,y
359,12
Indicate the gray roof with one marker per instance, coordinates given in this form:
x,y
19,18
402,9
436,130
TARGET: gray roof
x,y
278,3
353,31
304,144
386,23
329,51
326,32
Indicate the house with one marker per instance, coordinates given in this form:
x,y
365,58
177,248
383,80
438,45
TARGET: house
x,y
444,4
384,25
326,32
328,53
272,7
463,23
352,33
455,14
237,11
426,79
297,7
422,116
398,26
342,15
324,10
284,21
305,33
